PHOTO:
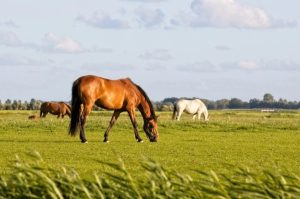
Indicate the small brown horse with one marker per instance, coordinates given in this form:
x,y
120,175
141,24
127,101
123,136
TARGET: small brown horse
x,y
118,95
56,108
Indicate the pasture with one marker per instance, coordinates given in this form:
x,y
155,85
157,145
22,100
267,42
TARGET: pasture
x,y
231,138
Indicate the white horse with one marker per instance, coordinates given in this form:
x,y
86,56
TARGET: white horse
x,y
195,107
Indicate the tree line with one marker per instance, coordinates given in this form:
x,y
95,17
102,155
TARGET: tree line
x,y
9,104
166,104
268,102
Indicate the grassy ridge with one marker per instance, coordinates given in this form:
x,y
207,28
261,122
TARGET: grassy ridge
x,y
35,179
254,139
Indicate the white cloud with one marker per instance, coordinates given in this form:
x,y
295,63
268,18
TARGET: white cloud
x,y
9,38
94,67
224,13
146,1
54,43
103,20
149,17
222,47
50,43
157,54
227,13
204,66
9,60
8,23
262,65
246,65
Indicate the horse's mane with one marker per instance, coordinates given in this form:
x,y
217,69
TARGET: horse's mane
x,y
147,99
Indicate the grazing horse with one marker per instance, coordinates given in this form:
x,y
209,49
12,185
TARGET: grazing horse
x,y
194,107
56,108
118,95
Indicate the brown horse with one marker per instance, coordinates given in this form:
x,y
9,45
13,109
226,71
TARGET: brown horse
x,y
118,95
56,108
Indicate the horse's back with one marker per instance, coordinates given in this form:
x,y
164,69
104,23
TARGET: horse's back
x,y
180,104
201,103
106,93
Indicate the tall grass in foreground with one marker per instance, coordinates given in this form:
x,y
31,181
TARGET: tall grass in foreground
x,y
35,179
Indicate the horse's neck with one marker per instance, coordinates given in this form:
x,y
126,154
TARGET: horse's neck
x,y
144,108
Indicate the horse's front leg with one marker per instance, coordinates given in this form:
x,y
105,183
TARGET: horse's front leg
x,y
199,115
114,118
134,124
194,116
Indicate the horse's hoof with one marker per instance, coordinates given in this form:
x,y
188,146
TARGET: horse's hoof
x,y
84,142
106,141
140,141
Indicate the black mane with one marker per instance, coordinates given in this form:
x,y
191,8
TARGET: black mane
x,y
148,100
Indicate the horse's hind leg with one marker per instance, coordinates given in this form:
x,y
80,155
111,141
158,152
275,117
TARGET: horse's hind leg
x,y
179,115
114,118
85,112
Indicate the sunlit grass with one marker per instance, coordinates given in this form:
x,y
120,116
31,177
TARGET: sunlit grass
x,y
241,138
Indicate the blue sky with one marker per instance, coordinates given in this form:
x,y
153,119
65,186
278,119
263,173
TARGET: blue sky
x,y
210,49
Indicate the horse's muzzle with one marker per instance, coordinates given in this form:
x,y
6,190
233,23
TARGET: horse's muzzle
x,y
153,139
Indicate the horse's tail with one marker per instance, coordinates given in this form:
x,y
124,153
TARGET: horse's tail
x,y
75,110
68,105
174,112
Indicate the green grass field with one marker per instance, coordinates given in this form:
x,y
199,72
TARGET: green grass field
x,y
231,138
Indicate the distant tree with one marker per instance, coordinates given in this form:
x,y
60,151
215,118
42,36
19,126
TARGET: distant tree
x,y
222,104
170,99
168,106
209,104
235,103
7,105
14,105
32,104
254,103
20,105
268,98
38,104
24,105
157,106
1,105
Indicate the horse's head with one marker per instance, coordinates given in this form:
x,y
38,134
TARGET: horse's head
x,y
150,128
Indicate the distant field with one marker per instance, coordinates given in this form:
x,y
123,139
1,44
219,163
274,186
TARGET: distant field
x,y
240,138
